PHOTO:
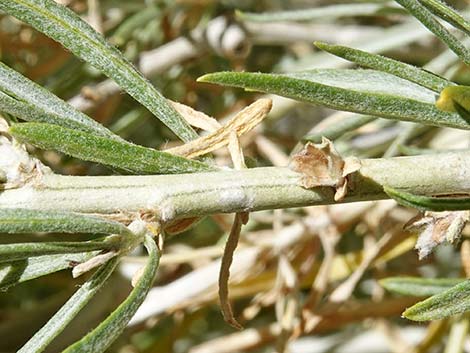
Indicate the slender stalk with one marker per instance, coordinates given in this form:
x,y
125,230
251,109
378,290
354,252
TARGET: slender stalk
x,y
184,195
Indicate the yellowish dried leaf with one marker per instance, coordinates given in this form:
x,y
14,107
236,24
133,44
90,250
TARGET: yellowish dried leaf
x,y
241,123
196,118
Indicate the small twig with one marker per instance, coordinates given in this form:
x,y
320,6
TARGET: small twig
x,y
94,15
465,257
329,239
345,289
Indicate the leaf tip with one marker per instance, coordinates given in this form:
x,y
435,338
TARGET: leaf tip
x,y
321,45
205,78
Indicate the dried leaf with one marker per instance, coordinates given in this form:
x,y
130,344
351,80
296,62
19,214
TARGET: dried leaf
x,y
224,274
241,123
321,165
196,118
436,227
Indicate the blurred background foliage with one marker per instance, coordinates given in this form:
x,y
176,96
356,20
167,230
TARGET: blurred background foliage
x,y
285,258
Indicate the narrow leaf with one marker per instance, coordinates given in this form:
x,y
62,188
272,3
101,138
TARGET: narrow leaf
x,y
31,221
448,14
19,251
101,337
319,13
426,203
133,158
69,310
417,286
394,67
426,18
133,23
337,130
27,100
455,300
61,24
361,91
24,270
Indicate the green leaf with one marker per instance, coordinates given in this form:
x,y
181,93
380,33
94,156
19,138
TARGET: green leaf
x,y
448,14
426,203
455,300
417,286
319,13
133,158
69,310
416,151
30,221
426,18
337,130
63,25
27,100
133,23
102,336
361,91
24,270
394,67
19,251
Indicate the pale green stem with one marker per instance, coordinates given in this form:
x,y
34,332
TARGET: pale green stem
x,y
457,336
183,195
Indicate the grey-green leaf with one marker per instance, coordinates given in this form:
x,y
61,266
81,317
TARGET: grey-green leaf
x,y
361,91
24,270
27,100
101,337
319,13
69,310
30,221
394,67
426,18
426,203
134,23
339,129
453,301
63,25
19,251
448,14
417,286
88,147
